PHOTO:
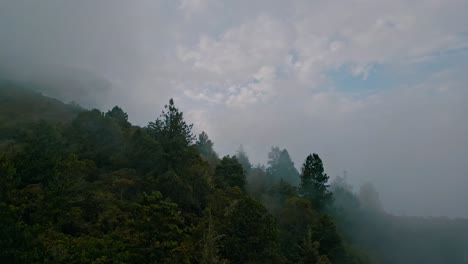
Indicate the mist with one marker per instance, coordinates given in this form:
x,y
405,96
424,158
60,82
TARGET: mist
x,y
379,92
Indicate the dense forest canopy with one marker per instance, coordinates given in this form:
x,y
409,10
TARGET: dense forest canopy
x,y
85,186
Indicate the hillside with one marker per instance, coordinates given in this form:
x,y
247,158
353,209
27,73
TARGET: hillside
x,y
88,187
79,186
20,104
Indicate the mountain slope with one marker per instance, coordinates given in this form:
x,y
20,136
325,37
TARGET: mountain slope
x,y
19,104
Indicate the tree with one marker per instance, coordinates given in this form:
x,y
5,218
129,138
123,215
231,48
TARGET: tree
x,y
7,178
210,251
294,220
345,203
66,191
96,189
96,137
174,187
229,173
282,191
119,116
172,127
174,135
344,198
160,229
250,233
369,198
143,152
44,149
280,166
243,159
330,243
257,181
310,251
205,147
314,180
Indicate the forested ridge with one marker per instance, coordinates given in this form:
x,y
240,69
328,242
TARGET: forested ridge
x,y
85,186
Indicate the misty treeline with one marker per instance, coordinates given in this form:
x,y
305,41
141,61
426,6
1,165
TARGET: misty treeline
x,y
80,186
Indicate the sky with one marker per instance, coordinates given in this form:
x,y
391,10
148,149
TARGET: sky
x,y
376,88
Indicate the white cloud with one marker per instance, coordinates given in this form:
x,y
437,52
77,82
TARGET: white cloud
x,y
194,7
255,72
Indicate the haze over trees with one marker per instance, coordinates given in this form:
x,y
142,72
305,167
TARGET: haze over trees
x,y
85,186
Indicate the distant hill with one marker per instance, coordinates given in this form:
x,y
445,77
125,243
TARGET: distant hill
x,y
20,104
60,82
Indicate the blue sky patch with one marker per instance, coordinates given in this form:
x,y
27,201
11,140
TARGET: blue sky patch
x,y
383,77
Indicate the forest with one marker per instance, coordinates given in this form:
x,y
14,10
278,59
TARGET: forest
x,y
86,186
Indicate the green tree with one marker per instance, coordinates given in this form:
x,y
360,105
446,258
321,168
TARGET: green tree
x,y
257,182
229,173
8,181
174,187
210,251
144,153
281,191
243,159
250,234
346,206
280,166
314,180
66,191
160,229
96,189
175,137
205,148
310,251
119,116
294,220
44,149
96,137
330,242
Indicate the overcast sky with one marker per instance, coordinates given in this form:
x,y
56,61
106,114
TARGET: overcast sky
x,y
377,88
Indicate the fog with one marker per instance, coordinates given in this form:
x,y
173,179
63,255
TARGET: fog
x,y
377,89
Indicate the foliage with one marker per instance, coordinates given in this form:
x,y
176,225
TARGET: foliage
x,y
229,173
314,182
280,166
205,147
92,188
210,251
243,159
250,233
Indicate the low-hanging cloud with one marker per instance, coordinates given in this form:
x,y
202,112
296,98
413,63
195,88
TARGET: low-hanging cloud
x,y
263,73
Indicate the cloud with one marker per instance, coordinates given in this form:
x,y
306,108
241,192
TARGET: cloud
x,y
191,7
258,73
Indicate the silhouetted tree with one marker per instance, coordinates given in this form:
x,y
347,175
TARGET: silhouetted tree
x,y
243,159
174,135
250,233
280,166
205,148
229,173
314,180
119,116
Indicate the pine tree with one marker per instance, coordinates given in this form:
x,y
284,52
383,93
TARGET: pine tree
x,y
229,173
174,135
280,166
314,180
210,245
119,116
172,127
243,159
205,147
310,251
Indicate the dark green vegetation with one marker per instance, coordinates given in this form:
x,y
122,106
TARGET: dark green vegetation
x,y
82,186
